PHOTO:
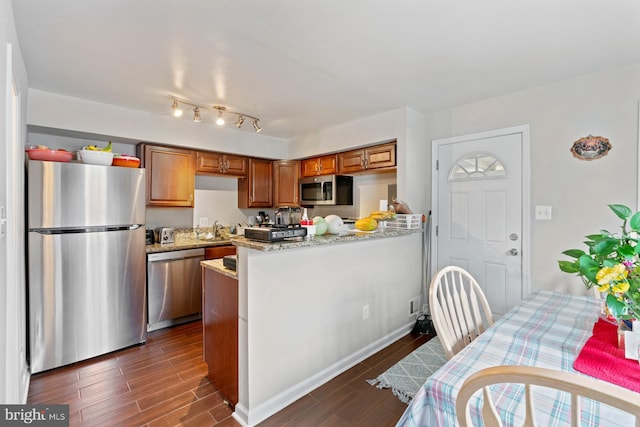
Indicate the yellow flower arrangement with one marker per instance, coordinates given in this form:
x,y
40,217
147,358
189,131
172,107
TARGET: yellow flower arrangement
x,y
612,264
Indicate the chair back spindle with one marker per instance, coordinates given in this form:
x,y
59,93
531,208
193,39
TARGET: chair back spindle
x,y
459,308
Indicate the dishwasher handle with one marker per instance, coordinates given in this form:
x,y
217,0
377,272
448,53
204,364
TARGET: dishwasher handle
x,y
176,255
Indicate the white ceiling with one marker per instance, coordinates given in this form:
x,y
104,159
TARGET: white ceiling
x,y
306,65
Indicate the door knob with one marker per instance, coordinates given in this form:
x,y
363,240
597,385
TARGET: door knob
x,y
512,252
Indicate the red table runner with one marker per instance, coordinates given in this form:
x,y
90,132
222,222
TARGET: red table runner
x,y
601,358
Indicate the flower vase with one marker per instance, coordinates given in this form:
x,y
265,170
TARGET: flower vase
x,y
622,328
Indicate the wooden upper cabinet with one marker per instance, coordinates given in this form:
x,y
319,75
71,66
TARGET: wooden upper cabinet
x,y
256,190
351,161
381,156
218,163
325,165
286,174
170,175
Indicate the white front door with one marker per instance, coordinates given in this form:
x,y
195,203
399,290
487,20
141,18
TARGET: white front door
x,y
478,211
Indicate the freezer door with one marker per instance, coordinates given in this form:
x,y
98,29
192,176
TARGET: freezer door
x,y
87,295
68,195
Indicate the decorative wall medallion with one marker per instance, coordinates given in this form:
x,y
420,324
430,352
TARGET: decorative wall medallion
x,y
590,147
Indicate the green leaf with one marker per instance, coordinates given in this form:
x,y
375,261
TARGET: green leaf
x,y
626,251
594,237
588,268
569,267
617,308
634,222
621,211
574,253
605,246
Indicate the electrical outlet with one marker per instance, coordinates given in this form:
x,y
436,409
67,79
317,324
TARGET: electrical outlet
x,y
414,306
365,312
543,213
204,222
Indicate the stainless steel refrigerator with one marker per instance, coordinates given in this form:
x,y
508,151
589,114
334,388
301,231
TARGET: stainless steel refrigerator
x,y
87,261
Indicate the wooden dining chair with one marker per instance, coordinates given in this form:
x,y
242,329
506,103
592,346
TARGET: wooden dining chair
x,y
574,384
459,309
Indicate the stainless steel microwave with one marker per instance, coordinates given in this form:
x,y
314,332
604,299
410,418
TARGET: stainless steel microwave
x,y
326,190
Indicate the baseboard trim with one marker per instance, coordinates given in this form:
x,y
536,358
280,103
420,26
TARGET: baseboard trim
x,y
250,417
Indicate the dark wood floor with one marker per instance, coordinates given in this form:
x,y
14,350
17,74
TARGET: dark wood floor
x,y
164,383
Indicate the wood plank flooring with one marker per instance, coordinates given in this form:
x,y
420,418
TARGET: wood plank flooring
x,y
164,383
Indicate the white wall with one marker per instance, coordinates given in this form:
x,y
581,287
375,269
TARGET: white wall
x,y
604,104
216,198
301,314
13,364
49,112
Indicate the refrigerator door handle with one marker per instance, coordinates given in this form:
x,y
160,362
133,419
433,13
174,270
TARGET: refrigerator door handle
x,y
51,231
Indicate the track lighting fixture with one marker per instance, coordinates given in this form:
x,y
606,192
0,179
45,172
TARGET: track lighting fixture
x,y
219,109
176,109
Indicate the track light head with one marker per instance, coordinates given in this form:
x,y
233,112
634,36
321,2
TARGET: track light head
x,y
220,119
177,112
240,121
255,126
196,114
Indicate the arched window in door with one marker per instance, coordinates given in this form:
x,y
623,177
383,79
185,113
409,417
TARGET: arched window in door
x,y
476,166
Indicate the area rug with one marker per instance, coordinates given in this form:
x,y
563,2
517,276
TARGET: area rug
x,y
407,376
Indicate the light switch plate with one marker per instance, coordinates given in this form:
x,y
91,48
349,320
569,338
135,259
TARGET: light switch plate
x,y
204,222
543,213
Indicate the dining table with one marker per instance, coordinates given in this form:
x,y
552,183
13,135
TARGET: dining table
x,y
547,329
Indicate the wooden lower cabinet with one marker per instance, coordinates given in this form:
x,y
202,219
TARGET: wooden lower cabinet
x,y
216,252
220,322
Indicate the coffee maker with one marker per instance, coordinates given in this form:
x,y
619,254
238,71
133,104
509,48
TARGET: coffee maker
x,y
288,217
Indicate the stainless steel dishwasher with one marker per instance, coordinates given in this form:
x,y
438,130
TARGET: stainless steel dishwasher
x,y
174,287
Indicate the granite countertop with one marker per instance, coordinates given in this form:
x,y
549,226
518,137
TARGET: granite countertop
x,y
217,265
189,238
327,239
188,244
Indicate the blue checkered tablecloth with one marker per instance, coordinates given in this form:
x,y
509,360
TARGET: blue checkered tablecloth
x,y
547,329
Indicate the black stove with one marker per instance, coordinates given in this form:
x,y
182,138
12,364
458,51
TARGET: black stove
x,y
274,233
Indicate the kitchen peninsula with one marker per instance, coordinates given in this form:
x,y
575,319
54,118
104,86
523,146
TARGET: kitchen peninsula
x,y
309,309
